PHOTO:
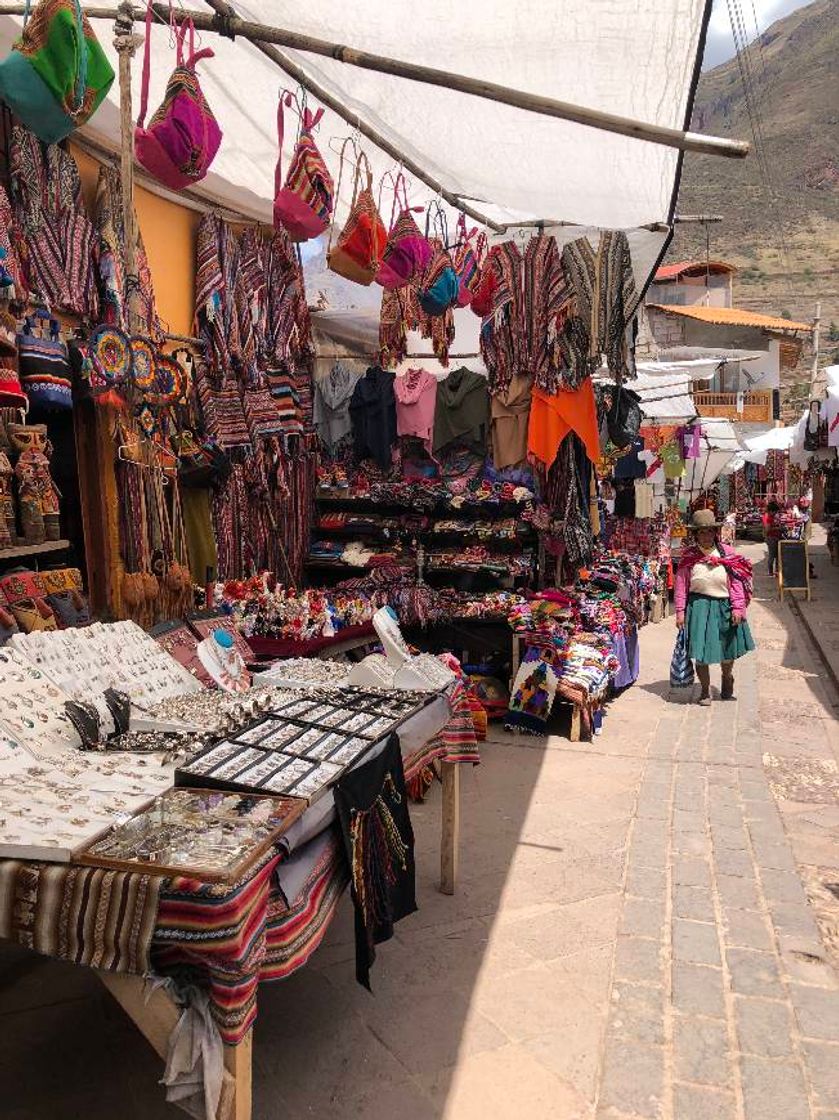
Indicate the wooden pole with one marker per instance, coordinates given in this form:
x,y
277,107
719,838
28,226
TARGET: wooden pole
x,y
295,71
227,23
126,42
817,323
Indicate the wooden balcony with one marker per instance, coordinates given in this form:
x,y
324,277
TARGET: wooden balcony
x,y
754,407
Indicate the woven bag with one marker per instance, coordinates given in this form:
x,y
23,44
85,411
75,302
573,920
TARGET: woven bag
x,y
57,73
183,136
467,256
407,252
361,243
303,204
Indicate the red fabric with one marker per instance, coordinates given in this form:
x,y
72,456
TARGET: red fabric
x,y
265,648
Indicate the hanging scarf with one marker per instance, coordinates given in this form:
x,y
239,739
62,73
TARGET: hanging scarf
x,y
372,806
604,286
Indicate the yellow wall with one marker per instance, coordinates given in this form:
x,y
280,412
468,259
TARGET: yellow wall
x,y
169,235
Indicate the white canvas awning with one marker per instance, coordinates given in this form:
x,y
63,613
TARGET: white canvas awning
x,y
635,59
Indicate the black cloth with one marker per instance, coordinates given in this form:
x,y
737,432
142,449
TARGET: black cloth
x,y
372,810
373,417
629,465
624,499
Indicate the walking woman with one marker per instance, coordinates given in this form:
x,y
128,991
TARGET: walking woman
x,y
772,534
712,594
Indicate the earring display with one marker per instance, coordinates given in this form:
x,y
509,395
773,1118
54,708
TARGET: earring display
x,y
51,808
86,662
32,707
207,835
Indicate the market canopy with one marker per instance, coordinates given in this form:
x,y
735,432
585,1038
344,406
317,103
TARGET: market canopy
x,y
635,59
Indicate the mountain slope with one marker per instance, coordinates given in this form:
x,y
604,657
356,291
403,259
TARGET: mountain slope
x,y
795,66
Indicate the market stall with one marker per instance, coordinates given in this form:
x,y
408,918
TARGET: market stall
x,y
181,452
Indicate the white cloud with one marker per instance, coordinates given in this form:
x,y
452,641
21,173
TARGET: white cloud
x,y
757,16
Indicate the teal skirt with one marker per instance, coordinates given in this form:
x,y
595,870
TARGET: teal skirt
x,y
711,635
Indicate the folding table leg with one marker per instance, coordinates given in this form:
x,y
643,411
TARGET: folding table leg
x,y
450,838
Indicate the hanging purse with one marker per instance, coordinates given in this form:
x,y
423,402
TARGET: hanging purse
x,y
303,204
44,365
467,257
407,252
183,136
361,243
57,73
438,286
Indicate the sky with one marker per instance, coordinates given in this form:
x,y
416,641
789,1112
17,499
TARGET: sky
x,y
719,46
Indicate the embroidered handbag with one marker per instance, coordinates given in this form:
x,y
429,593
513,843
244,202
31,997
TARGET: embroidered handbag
x,y
439,286
483,292
183,136
44,365
361,243
303,204
467,258
407,252
57,73
681,666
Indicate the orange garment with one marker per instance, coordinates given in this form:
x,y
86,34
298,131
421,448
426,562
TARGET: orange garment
x,y
552,417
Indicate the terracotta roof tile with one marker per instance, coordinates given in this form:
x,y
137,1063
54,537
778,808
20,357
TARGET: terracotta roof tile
x,y
732,317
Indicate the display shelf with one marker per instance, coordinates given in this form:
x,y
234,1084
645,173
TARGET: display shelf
x,y
488,510
18,552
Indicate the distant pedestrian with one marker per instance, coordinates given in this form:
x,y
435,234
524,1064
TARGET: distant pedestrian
x,y
772,531
712,595
804,519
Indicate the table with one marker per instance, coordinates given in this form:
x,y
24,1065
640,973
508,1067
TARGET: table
x,y
240,935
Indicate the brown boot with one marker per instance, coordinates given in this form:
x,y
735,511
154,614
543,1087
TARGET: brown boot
x,y
727,690
703,673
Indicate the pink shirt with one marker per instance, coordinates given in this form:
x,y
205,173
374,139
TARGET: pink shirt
x,y
416,399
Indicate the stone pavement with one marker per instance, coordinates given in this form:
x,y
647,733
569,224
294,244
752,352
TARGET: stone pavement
x,y
631,937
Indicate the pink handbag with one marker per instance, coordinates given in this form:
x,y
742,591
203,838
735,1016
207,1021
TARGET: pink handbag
x,y
407,252
303,204
183,135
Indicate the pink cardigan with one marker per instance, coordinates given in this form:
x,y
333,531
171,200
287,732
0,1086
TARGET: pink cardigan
x,y
736,594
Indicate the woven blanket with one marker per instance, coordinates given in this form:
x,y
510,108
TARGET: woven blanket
x,y
104,919
231,938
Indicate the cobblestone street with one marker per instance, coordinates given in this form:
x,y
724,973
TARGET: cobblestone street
x,y
644,927
724,1001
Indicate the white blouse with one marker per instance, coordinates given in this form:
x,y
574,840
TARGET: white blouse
x,y
709,579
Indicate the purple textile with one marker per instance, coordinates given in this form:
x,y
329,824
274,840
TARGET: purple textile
x,y
626,650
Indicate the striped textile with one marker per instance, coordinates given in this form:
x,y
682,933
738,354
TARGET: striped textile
x,y
455,743
236,937
104,919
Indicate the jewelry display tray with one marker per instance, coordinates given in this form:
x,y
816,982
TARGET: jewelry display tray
x,y
287,810
359,700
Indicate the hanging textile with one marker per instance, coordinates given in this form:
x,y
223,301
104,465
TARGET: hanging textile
x,y
332,404
416,398
552,417
566,495
462,410
61,244
606,296
518,331
373,416
510,418
113,282
372,806
533,691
